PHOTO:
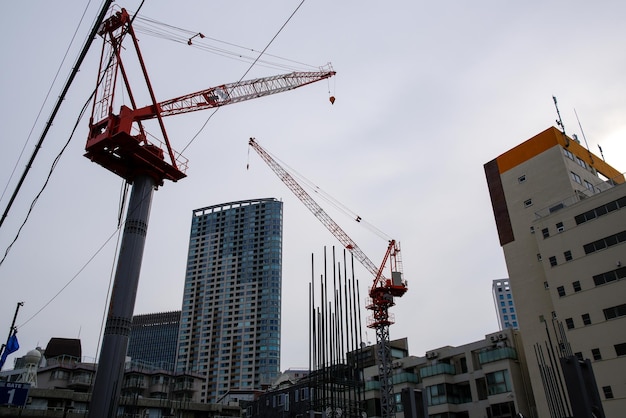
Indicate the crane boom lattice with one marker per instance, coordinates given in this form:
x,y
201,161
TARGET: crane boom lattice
x,y
382,292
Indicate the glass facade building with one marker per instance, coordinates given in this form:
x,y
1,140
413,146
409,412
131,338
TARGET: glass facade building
x,y
505,306
153,339
230,320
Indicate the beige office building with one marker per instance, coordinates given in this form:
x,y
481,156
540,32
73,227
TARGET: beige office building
x,y
560,212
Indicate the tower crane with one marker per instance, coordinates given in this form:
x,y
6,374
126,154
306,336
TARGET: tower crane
x,y
383,289
119,143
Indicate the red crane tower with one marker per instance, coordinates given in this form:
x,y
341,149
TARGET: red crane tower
x,y
382,292
119,143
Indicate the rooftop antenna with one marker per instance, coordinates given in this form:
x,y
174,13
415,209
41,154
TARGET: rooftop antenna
x,y
584,137
601,153
559,122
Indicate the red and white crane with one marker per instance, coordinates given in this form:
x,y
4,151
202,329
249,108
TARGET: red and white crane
x,y
119,143
383,289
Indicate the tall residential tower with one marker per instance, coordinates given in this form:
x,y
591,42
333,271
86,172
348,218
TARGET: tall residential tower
x,y
560,213
230,320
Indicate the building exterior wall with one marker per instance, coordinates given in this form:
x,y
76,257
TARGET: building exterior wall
x,y
537,190
483,378
230,320
504,303
153,338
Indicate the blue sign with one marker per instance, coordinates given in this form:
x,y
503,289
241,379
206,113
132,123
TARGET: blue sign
x,y
13,393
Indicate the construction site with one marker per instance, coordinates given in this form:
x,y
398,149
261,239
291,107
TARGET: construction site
x,y
225,280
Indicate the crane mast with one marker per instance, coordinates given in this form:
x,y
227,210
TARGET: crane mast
x,y
383,290
119,143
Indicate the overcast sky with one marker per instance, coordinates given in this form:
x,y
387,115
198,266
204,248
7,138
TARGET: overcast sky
x,y
426,93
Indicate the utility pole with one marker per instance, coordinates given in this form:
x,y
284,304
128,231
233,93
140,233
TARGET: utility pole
x,y
12,331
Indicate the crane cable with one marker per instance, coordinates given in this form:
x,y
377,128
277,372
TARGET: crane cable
x,y
186,36
193,138
305,182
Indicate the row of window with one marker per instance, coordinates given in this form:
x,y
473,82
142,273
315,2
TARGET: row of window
x,y
591,247
575,285
609,313
600,210
620,350
605,242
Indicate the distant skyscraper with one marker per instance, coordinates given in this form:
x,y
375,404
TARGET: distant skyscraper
x,y
560,212
153,339
230,322
503,299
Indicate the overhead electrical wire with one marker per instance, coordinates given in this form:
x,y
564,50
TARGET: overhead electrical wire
x,y
244,74
81,114
56,108
45,100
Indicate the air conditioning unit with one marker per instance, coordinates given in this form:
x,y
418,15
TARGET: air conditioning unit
x,y
431,354
493,338
502,336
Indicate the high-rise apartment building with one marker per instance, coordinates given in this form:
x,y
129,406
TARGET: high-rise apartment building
x,y
505,305
153,339
560,213
230,321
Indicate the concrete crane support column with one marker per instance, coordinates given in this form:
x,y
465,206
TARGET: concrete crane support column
x,y
110,373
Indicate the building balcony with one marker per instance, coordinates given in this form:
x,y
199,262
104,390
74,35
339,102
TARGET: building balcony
x,y
82,381
497,354
159,388
437,369
404,378
184,387
134,384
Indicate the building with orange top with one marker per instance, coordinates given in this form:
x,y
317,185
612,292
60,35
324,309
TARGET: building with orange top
x,y
560,213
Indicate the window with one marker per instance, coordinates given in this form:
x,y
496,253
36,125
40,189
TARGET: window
x,y
589,186
528,203
569,322
552,261
532,229
581,162
614,311
521,178
586,319
576,177
561,291
559,227
609,276
568,154
576,286
545,232
620,349
605,242
498,382
601,210
608,392
546,285
568,255
595,352
539,257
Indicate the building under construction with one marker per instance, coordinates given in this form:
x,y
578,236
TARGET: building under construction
x,y
333,386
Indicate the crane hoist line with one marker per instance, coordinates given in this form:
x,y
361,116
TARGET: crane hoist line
x,y
383,289
119,142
